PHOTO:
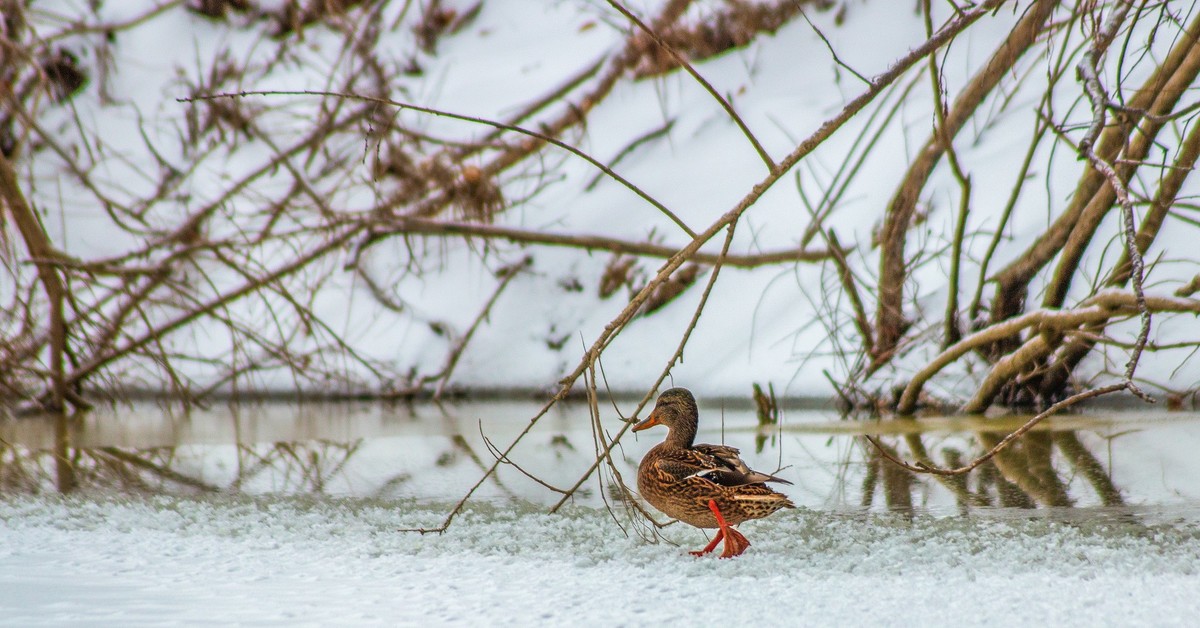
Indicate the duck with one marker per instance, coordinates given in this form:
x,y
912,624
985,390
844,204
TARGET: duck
x,y
706,486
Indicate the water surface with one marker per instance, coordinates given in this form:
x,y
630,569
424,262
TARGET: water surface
x,y
1097,464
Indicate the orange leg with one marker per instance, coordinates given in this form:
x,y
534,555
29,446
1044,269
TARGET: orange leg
x,y
711,545
735,543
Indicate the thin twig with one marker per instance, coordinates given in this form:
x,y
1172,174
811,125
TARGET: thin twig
x,y
846,276
1095,92
678,355
465,118
804,148
629,148
504,459
1089,75
833,53
762,152
452,358
951,332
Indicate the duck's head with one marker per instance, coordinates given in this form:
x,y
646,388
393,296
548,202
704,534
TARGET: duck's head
x,y
676,409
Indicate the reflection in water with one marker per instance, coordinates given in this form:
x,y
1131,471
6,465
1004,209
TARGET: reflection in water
x,y
435,454
1034,471
64,465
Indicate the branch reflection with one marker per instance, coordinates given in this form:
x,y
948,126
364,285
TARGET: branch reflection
x,y
437,453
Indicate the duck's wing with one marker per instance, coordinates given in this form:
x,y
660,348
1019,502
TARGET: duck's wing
x,y
676,465
731,470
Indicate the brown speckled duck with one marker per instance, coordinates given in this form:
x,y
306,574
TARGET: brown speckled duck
x,y
708,486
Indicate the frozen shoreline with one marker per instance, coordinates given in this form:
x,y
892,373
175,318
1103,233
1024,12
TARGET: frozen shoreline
x,y
271,561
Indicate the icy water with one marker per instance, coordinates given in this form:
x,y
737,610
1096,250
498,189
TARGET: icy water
x,y
1096,464
286,515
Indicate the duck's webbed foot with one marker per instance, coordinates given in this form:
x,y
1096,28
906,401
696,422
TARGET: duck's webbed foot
x,y
711,544
735,543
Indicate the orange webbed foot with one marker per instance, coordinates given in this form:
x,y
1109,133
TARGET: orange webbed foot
x,y
711,544
735,543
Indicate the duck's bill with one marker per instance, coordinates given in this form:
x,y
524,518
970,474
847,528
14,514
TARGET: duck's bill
x,y
650,421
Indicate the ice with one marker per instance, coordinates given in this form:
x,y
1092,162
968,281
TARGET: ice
x,y
297,561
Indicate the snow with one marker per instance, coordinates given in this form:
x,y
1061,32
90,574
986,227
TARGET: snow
x,y
762,325
295,561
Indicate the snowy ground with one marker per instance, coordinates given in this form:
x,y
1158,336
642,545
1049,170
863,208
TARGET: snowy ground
x,y
295,561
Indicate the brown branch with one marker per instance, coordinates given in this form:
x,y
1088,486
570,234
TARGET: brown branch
x,y
1101,307
1007,368
1013,280
38,244
407,225
951,332
465,118
889,319
846,277
1189,288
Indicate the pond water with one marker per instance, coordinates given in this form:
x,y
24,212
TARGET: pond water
x,y
293,515
1100,462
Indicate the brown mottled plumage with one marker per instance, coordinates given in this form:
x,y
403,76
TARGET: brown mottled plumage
x,y
707,486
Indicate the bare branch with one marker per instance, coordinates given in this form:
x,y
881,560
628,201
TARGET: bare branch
x,y
455,116
762,152
406,225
